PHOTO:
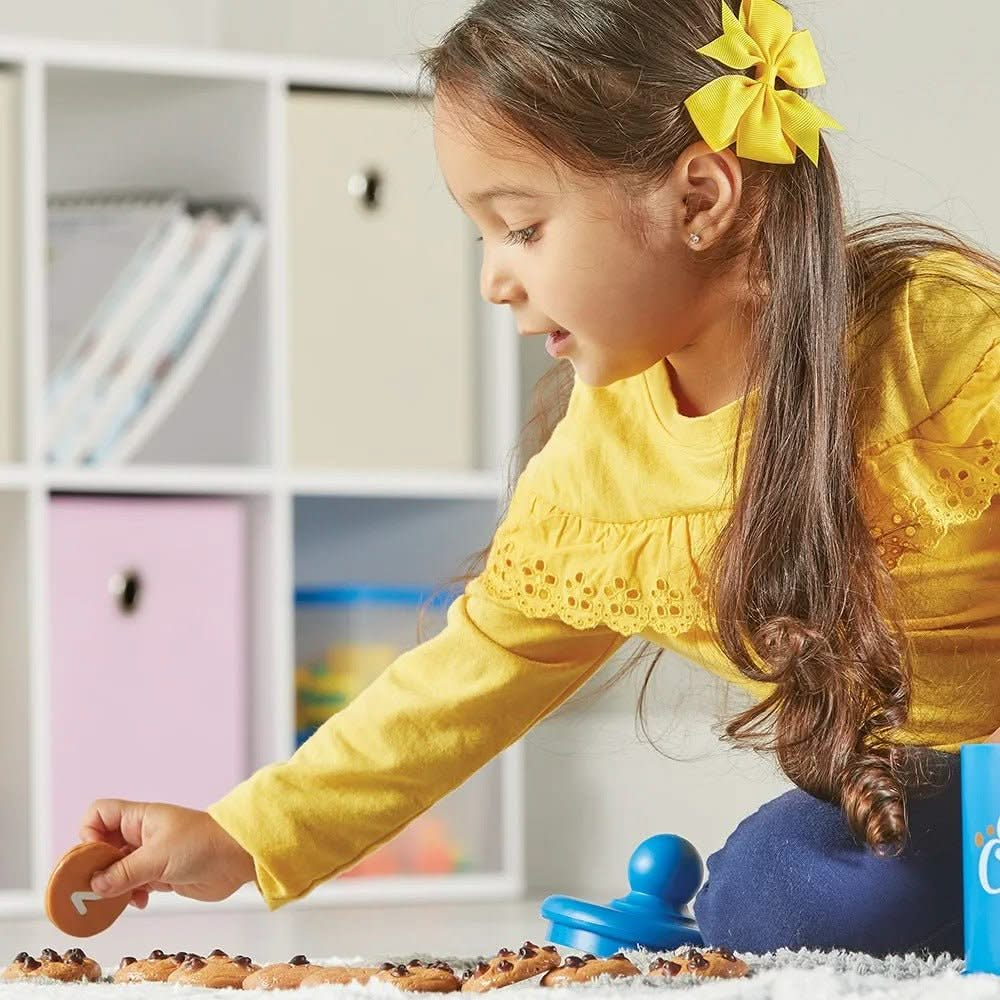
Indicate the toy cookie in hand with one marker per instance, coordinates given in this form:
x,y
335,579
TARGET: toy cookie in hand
x,y
508,967
70,904
73,967
581,970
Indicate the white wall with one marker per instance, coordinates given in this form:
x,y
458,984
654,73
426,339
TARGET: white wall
x,y
918,99
161,22
596,788
374,29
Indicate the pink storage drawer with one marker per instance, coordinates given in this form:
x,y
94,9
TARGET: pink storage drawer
x,y
148,651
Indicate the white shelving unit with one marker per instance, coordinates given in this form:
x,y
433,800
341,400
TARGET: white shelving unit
x,y
214,124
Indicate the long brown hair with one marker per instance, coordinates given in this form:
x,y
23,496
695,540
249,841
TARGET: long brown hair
x,y
800,595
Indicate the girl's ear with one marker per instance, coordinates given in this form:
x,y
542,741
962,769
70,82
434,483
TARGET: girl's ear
x,y
704,188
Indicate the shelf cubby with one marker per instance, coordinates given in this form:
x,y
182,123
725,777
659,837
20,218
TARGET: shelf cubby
x,y
108,130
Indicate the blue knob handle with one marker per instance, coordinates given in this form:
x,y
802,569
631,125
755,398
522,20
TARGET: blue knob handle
x,y
666,866
664,873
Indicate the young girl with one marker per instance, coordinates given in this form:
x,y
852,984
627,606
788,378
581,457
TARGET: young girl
x,y
778,458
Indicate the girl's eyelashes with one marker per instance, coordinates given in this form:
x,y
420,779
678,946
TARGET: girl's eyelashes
x,y
518,236
521,236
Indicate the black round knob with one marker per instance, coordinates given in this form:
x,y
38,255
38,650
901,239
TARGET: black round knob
x,y
366,187
126,588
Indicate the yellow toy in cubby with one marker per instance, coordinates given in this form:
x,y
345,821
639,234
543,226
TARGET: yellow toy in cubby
x,y
323,687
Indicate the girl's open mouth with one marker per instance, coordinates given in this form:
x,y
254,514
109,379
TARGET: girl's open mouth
x,y
555,341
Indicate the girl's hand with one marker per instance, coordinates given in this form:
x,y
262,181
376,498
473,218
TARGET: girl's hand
x,y
170,849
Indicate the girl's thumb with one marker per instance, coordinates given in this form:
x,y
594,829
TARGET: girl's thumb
x,y
134,870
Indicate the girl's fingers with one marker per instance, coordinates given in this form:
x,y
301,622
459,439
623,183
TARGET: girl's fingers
x,y
104,821
112,837
140,899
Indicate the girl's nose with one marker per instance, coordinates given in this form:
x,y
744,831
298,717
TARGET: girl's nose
x,y
498,285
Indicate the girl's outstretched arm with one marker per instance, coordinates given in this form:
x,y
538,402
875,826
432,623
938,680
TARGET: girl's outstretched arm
x,y
436,715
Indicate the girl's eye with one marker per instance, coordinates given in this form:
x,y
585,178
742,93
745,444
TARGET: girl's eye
x,y
518,236
521,236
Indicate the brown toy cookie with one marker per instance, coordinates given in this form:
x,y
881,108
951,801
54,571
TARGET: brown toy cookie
x,y
711,963
218,971
91,969
154,969
281,975
582,970
70,904
340,974
508,967
415,977
73,967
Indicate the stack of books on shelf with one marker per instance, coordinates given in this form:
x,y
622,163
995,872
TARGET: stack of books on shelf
x,y
140,287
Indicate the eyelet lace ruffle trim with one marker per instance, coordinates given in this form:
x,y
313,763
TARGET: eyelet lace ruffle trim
x,y
630,577
934,490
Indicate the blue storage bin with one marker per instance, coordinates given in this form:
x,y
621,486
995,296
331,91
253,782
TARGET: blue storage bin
x,y
347,634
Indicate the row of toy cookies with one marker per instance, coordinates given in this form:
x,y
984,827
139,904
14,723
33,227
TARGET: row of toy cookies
x,y
507,967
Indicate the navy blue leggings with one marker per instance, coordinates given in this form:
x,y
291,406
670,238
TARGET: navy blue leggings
x,y
792,875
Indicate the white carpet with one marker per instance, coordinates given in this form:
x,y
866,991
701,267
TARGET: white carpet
x,y
781,975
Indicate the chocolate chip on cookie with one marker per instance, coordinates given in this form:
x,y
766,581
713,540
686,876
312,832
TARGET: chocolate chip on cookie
x,y
664,967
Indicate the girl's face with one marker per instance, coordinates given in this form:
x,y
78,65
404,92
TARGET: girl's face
x,y
557,251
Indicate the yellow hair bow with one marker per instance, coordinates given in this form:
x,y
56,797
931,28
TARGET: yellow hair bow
x,y
767,124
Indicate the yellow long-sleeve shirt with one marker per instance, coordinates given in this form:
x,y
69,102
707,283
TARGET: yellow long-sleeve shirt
x,y
605,537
